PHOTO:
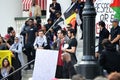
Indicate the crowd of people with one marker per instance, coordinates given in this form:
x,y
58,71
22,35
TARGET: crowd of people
x,y
54,36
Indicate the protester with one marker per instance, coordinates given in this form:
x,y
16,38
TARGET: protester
x,y
34,10
69,56
72,45
54,6
12,36
49,31
115,33
49,23
104,34
23,32
16,48
68,27
30,38
6,70
59,22
109,58
49,36
58,44
40,41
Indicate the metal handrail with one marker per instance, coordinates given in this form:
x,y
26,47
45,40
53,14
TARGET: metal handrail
x,y
31,60
18,69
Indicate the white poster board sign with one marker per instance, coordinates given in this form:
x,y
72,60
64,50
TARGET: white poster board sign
x,y
45,64
104,12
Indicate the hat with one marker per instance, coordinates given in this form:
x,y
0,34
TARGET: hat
x,y
115,20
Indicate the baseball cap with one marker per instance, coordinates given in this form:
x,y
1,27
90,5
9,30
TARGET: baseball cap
x,y
115,20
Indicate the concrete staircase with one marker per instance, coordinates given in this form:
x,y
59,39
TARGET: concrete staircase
x,y
27,74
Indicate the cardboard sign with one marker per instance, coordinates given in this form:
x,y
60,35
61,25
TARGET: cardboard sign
x,y
45,64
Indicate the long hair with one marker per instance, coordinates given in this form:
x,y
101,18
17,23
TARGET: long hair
x,y
7,61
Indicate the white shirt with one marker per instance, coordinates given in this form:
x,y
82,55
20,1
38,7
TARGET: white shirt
x,y
39,41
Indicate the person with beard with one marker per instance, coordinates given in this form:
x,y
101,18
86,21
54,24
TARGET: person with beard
x,y
69,56
34,10
59,22
30,38
61,40
12,36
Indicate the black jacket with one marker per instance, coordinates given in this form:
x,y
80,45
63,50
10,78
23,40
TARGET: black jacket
x,y
110,59
104,34
10,77
57,7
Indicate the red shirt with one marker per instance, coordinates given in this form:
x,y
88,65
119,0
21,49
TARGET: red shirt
x,y
60,62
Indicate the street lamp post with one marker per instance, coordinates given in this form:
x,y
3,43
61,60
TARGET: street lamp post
x,y
88,67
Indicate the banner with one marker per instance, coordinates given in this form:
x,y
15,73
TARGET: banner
x,y
45,64
104,12
115,5
5,54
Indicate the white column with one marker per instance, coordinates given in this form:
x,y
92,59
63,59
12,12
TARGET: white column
x,y
9,9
